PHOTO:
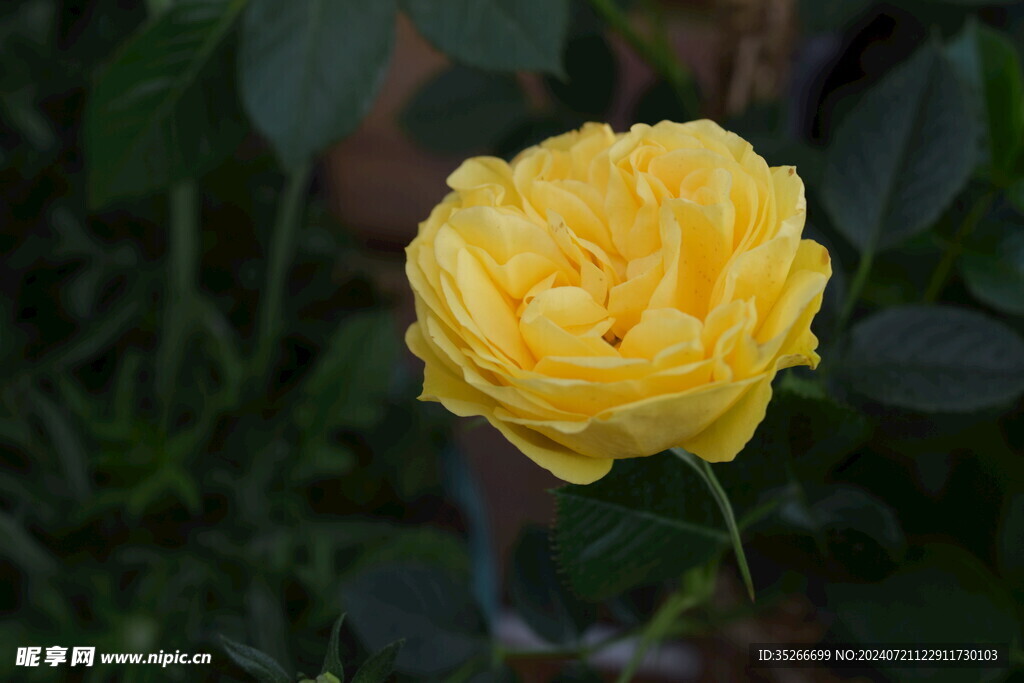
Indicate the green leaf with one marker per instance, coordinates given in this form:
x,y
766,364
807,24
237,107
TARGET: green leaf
x,y
990,66
332,660
348,386
817,16
165,109
648,520
66,442
1015,194
421,545
22,549
937,359
803,436
310,70
591,75
378,667
903,608
996,276
501,35
902,155
257,664
840,510
432,610
464,110
536,591
662,101
1010,549
577,672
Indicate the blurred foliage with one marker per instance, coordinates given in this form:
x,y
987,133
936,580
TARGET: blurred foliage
x,y
207,430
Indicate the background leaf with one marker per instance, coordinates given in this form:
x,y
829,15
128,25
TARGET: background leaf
x,y
649,519
537,594
426,606
591,76
379,666
902,609
163,111
332,660
310,70
257,664
935,359
996,276
503,35
464,110
901,155
990,65
347,387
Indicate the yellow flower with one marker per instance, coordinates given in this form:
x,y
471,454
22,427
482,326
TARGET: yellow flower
x,y
612,295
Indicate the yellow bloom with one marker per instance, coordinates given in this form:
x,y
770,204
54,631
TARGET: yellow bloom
x,y
612,295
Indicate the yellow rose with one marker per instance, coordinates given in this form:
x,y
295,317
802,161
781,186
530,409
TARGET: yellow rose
x,y
612,295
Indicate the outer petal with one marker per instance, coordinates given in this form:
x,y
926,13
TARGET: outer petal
x,y
442,385
644,427
730,433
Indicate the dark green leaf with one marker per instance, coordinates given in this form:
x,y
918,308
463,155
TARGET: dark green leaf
x,y
578,672
22,549
902,155
464,110
378,667
268,622
1011,542
935,359
503,35
839,510
422,545
817,16
804,435
432,610
348,387
996,276
332,661
537,594
649,519
905,608
533,131
990,66
66,442
591,73
1015,193
165,108
662,102
310,70
257,664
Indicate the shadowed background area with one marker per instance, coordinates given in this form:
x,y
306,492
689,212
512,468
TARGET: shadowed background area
x,y
208,416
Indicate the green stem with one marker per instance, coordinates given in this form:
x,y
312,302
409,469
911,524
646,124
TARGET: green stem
x,y
860,278
183,267
660,625
941,273
657,53
279,258
703,468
